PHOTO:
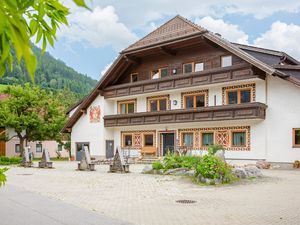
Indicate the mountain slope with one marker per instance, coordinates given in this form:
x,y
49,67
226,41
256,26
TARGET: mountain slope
x,y
50,74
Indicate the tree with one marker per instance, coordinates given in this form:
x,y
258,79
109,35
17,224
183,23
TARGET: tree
x,y
20,20
33,114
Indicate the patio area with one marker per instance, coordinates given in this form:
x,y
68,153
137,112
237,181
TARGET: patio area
x,y
151,199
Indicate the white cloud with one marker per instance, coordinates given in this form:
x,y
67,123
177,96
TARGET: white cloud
x,y
228,31
282,37
137,13
99,28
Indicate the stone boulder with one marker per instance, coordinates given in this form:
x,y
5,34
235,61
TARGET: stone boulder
x,y
177,171
244,172
263,164
147,169
208,181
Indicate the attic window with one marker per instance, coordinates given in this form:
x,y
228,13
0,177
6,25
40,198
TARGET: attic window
x,y
226,61
134,77
159,73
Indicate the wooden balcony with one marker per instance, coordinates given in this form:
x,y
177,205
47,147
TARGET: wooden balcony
x,y
237,72
254,110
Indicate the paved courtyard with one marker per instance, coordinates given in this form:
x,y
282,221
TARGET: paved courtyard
x,y
151,199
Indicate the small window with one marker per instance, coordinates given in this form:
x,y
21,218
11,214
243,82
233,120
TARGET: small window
x,y
148,140
188,67
164,72
38,147
126,107
134,77
239,139
17,148
232,97
187,139
245,96
194,101
207,139
296,138
226,61
159,104
199,67
59,147
239,96
127,140
160,73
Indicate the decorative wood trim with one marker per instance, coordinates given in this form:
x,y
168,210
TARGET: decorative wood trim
x,y
167,97
223,138
251,87
137,138
294,138
199,92
134,101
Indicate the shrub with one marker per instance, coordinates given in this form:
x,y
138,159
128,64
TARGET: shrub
x,y
212,149
157,165
2,176
172,161
15,160
4,160
213,167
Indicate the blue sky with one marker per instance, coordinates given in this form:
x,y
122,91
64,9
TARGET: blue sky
x,y
94,38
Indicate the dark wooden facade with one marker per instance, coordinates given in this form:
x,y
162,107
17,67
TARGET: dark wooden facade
x,y
213,113
218,75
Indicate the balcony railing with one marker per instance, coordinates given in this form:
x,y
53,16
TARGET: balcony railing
x,y
254,110
236,72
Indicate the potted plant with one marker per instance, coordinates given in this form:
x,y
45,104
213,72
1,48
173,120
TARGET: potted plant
x,y
296,164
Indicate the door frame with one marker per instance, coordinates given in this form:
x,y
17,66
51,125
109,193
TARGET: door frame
x,y
113,148
160,144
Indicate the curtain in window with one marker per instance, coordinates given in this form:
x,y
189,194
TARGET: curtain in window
x,y
188,139
239,138
207,139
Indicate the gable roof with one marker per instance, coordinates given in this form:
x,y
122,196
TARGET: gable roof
x,y
177,29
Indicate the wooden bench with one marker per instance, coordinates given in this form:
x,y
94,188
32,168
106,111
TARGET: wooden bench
x,y
148,150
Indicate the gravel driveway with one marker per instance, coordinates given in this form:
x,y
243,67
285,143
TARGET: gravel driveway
x,y
151,199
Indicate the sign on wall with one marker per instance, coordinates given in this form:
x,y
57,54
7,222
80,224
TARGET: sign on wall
x,y
95,114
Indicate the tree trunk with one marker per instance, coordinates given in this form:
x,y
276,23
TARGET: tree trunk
x,y
21,145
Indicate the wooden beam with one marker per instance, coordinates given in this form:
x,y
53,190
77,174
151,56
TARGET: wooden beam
x,y
168,51
132,59
83,111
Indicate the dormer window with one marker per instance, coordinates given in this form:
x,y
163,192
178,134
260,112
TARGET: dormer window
x,y
160,73
134,77
226,61
188,67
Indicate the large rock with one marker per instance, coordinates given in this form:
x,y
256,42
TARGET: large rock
x,y
247,172
190,173
263,164
177,171
208,181
147,169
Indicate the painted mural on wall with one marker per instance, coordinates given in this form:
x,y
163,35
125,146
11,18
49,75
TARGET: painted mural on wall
x,y
95,114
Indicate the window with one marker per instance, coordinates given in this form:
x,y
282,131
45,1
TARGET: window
x,y
226,61
134,77
238,96
296,137
148,140
59,147
199,67
238,138
17,148
207,139
187,139
194,101
158,104
127,140
159,73
126,107
188,67
38,147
